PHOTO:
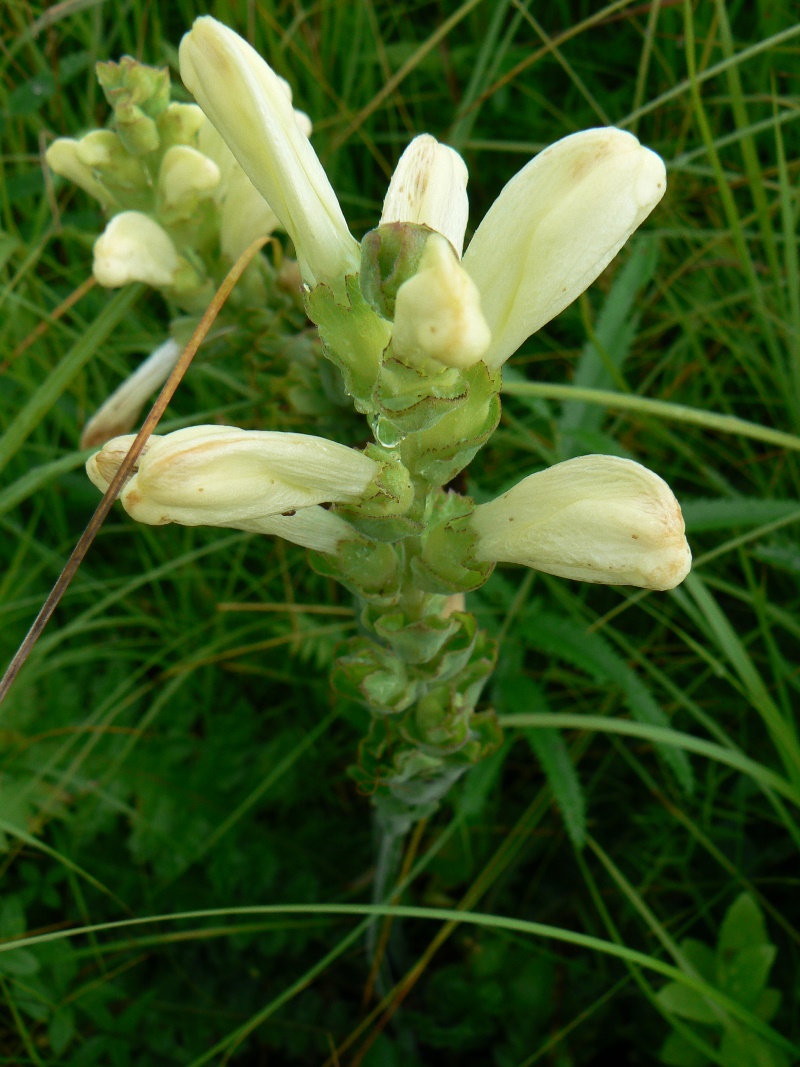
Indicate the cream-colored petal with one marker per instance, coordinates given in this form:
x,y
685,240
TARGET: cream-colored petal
x,y
103,465
121,410
429,187
244,215
438,311
63,158
186,174
556,226
314,527
134,248
595,519
245,101
223,476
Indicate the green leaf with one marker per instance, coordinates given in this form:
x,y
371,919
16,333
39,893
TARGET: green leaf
x,y
768,1004
61,1030
744,976
19,962
550,749
678,1052
740,1048
678,999
12,917
743,926
471,801
514,692
701,957
353,337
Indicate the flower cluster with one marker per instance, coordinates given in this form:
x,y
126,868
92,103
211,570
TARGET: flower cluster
x,y
181,211
419,330
174,192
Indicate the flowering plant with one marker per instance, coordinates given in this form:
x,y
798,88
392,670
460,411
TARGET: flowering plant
x,y
419,334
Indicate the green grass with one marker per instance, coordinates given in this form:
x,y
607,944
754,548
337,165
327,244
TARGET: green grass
x,y
186,866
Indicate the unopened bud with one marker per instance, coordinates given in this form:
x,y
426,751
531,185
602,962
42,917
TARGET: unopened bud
x,y
120,412
248,104
429,187
138,94
180,124
438,311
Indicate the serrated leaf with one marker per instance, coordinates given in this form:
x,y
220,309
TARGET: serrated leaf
x,y
680,1000
515,693
551,751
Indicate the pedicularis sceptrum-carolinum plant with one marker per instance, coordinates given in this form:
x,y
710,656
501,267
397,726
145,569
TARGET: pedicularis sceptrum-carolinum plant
x,y
419,335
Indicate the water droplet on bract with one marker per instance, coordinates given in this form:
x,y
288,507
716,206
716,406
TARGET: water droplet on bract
x,y
386,433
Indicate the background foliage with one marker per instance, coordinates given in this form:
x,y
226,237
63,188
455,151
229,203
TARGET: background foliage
x,y
173,744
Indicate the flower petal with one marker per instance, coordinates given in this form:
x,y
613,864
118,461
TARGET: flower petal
x,y
121,410
313,527
134,248
246,102
63,157
438,311
224,476
429,187
186,175
556,226
595,519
